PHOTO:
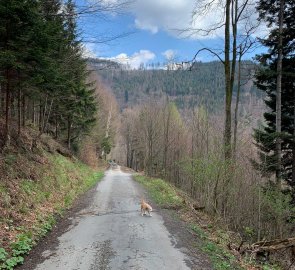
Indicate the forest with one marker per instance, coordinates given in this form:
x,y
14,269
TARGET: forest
x,y
202,85
45,81
222,132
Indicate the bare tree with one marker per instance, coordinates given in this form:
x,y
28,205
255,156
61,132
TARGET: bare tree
x,y
247,44
106,125
236,13
130,137
150,119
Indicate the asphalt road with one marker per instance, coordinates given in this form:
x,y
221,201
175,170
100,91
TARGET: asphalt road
x,y
110,233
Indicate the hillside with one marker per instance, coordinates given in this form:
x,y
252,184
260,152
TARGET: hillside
x,y
202,85
35,186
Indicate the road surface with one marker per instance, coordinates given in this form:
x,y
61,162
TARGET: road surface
x,y
110,233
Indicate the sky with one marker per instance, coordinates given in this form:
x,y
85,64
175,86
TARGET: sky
x,y
151,31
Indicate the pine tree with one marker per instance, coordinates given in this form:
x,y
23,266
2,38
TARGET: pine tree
x,y
42,70
79,97
18,20
266,80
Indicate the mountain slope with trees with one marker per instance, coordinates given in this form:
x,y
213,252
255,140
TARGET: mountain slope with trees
x,y
203,85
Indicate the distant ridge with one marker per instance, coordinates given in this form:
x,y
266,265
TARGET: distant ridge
x,y
203,85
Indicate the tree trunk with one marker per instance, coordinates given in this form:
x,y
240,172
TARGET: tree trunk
x,y
33,113
19,113
40,116
150,162
44,115
131,159
56,128
166,141
228,95
23,110
178,158
46,119
128,154
69,133
293,152
8,108
237,109
1,99
192,184
279,96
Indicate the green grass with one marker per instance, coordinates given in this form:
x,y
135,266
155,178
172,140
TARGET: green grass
x,y
64,178
162,193
10,159
3,189
219,256
70,178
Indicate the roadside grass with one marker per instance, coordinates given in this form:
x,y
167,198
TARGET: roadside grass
x,y
39,200
220,257
161,192
212,240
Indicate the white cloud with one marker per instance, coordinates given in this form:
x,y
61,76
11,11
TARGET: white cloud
x,y
173,16
170,54
134,60
146,26
167,15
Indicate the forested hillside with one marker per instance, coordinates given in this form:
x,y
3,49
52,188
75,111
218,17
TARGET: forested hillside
x,y
203,85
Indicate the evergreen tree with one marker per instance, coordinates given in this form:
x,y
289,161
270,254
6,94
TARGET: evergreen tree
x,y
266,80
79,100
18,20
42,70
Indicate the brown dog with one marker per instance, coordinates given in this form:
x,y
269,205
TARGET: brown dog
x,y
145,207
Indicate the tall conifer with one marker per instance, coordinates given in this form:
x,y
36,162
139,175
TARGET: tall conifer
x,y
266,80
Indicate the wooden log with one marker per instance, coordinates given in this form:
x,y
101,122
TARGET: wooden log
x,y
273,245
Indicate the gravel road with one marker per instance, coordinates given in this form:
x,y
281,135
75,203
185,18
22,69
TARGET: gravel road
x,y
110,233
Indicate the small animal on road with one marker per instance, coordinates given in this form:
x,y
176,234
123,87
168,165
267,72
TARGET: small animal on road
x,y
145,208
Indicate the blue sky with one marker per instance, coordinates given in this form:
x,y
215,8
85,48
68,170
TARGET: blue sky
x,y
153,36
